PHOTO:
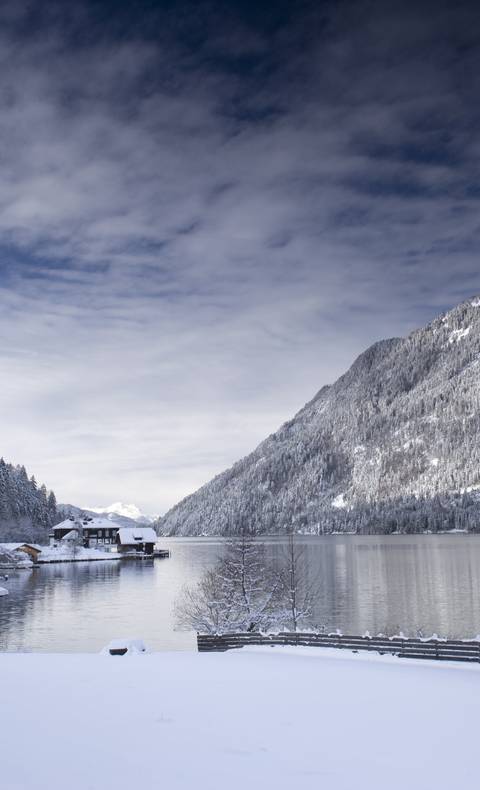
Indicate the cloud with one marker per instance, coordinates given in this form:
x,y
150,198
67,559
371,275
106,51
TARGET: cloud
x,y
201,226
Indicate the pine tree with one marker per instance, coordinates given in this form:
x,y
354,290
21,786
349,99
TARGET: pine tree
x,y
26,511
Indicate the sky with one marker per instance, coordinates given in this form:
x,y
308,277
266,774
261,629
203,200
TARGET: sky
x,y
208,210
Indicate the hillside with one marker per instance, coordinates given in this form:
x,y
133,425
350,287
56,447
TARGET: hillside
x,y
394,444
27,511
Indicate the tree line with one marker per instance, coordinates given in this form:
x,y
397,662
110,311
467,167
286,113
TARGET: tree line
x,y
27,511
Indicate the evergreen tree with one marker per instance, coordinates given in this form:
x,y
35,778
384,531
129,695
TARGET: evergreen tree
x,y
27,512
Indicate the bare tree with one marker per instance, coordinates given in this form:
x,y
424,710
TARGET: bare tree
x,y
298,592
204,608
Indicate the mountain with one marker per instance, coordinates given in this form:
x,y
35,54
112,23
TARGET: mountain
x,y
393,445
118,512
27,511
132,512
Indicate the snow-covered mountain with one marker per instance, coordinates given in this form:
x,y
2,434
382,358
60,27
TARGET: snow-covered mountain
x,y
123,511
119,513
394,444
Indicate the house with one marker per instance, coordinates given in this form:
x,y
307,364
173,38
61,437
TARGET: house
x,y
71,538
140,540
93,531
29,549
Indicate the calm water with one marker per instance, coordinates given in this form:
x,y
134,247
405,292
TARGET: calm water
x,y
382,584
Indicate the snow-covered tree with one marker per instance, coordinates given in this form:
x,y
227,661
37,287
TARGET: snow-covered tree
x,y
27,511
241,593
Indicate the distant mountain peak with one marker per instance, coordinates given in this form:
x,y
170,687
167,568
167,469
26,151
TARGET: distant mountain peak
x,y
123,510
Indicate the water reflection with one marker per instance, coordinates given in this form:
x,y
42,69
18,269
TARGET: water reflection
x,y
376,583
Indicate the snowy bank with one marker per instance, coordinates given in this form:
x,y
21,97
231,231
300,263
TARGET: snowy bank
x,y
66,554
259,718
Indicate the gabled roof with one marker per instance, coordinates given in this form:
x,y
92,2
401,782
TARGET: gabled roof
x,y
72,535
16,546
129,536
94,523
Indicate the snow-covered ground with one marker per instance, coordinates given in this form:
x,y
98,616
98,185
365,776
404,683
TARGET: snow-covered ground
x,y
258,718
61,553
67,554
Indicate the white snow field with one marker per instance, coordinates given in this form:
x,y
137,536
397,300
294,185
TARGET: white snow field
x,y
254,718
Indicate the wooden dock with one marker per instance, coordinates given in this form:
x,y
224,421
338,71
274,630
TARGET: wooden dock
x,y
436,649
161,553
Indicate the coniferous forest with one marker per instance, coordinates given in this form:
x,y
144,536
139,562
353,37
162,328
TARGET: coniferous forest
x,y
27,510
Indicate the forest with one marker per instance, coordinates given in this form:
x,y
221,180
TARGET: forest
x,y
27,510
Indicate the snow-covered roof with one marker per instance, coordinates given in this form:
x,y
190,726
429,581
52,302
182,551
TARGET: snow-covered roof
x,y
16,546
72,535
131,535
95,523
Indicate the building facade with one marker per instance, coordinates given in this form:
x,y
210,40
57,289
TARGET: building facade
x,y
92,532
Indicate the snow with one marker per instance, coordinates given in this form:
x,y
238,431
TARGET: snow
x,y
126,510
413,442
15,546
469,489
259,717
94,523
3,591
434,461
131,535
475,303
10,556
72,535
65,553
339,501
458,334
131,646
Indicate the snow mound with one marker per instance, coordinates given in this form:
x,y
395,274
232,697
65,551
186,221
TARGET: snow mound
x,y
122,647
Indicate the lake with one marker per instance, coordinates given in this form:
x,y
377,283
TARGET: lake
x,y
376,583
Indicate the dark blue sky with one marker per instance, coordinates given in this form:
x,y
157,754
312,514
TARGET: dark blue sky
x,y
207,210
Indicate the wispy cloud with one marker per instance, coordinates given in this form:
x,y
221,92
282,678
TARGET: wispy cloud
x,y
201,226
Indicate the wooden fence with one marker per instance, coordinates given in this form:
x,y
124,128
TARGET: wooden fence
x,y
451,650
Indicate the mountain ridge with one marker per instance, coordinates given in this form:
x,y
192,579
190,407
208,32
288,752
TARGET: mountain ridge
x,y
394,438
117,513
